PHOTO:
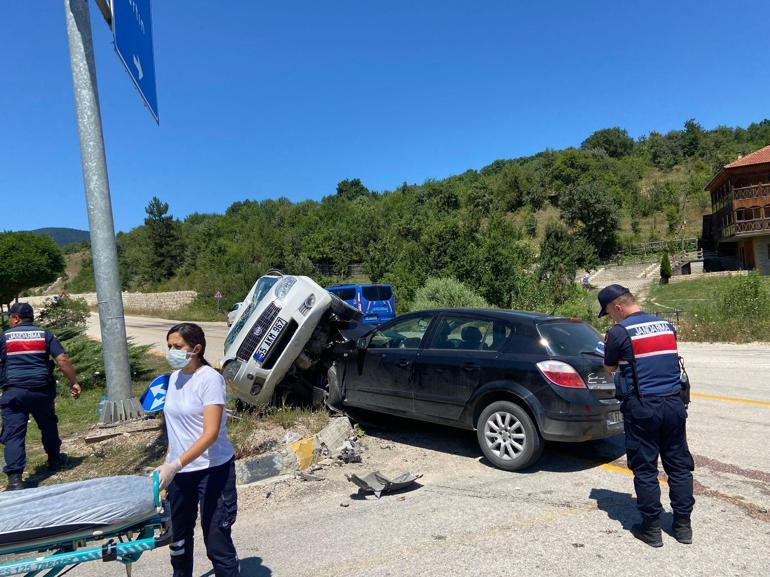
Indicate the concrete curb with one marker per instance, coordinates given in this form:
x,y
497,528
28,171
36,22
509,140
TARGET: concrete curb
x,y
297,455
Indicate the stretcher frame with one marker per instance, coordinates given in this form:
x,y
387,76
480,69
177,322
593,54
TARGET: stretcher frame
x,y
125,544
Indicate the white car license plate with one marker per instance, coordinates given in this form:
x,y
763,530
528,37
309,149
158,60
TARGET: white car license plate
x,y
614,417
272,335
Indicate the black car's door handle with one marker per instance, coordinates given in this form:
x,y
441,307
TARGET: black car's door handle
x,y
471,367
403,363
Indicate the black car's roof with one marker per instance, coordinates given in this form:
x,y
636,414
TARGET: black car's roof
x,y
500,313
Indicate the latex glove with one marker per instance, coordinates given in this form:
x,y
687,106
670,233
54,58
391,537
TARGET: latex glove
x,y
167,472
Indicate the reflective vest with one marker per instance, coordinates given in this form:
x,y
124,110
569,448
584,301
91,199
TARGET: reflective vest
x,y
28,361
657,359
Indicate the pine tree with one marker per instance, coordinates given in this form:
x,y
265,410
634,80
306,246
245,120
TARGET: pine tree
x,y
165,244
665,268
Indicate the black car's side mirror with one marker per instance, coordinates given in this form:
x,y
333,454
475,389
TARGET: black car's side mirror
x,y
361,345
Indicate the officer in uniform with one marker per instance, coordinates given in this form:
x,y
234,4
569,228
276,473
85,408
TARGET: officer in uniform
x,y
641,351
29,388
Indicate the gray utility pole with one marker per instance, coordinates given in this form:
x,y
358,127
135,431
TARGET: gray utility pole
x,y
121,403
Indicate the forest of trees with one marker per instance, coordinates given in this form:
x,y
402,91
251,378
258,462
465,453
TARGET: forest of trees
x,y
514,231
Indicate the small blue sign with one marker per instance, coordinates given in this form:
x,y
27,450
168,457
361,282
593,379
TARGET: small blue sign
x,y
154,398
132,30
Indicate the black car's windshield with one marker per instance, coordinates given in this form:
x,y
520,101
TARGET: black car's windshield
x,y
570,338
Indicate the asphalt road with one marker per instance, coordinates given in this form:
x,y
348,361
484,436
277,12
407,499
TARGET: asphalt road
x,y
152,331
569,516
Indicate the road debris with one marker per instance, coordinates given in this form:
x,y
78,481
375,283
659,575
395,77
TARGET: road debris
x,y
378,483
349,453
306,476
334,436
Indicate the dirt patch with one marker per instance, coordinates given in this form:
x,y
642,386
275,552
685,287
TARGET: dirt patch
x,y
389,456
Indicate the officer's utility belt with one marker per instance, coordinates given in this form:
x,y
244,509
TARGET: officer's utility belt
x,y
684,379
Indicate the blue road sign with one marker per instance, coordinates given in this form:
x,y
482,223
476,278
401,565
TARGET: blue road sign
x,y
132,29
154,398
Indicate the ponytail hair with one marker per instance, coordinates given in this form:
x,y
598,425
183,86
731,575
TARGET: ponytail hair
x,y
193,335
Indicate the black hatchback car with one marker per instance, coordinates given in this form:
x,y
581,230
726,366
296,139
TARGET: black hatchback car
x,y
517,378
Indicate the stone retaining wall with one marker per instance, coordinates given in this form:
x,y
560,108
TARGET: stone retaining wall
x,y
168,301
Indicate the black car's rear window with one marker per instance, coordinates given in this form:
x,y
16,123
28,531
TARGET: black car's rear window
x,y
346,294
569,338
377,293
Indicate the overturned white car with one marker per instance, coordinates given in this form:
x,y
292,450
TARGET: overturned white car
x,y
278,343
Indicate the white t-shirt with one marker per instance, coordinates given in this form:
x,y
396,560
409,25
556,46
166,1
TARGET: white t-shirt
x,y
185,399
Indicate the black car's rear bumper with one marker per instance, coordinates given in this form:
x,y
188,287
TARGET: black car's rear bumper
x,y
604,423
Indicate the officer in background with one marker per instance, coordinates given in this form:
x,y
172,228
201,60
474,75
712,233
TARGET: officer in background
x,y
29,388
641,351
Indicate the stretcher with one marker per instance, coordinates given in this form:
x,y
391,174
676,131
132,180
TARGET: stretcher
x,y
48,531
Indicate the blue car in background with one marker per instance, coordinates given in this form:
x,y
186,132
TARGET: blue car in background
x,y
375,301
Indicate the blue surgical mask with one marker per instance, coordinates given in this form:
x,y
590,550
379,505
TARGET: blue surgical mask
x,y
178,359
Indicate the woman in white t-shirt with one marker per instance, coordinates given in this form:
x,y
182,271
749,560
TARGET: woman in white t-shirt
x,y
199,470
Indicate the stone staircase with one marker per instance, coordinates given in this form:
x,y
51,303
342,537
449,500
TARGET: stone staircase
x,y
637,277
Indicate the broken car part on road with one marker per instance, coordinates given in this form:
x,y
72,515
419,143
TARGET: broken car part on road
x,y
377,483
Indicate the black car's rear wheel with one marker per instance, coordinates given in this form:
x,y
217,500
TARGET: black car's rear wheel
x,y
508,437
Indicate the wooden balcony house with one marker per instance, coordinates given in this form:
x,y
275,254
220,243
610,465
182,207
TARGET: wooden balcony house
x,y
739,227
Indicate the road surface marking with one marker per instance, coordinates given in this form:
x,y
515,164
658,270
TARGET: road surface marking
x,y
616,469
731,399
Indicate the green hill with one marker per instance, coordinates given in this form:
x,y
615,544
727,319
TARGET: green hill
x,y
64,236
514,231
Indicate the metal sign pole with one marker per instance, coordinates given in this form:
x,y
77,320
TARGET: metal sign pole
x,y
121,404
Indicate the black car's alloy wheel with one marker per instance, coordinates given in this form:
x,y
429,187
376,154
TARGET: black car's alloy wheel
x,y
508,437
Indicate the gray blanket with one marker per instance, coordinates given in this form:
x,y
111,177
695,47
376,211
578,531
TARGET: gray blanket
x,y
45,512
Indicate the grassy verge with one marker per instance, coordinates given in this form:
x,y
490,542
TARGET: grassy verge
x,y
76,419
688,294
725,309
251,432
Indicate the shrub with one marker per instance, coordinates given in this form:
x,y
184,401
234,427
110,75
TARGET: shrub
x,y
740,313
67,319
665,267
439,293
530,225
745,298
87,357
64,313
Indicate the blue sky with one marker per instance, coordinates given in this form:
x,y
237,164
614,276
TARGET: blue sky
x,y
267,99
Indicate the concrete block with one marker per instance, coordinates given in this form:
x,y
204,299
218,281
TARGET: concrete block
x,y
334,435
254,469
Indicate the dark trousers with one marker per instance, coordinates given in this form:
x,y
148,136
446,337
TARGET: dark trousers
x,y
657,426
213,490
17,405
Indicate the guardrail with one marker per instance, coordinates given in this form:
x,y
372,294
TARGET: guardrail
x,y
669,245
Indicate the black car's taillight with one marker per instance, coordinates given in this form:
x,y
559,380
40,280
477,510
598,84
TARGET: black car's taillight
x,y
561,374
